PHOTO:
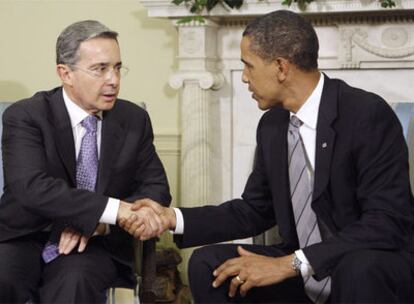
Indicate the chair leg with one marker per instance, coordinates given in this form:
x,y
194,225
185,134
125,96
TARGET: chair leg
x,y
113,295
136,291
146,291
110,296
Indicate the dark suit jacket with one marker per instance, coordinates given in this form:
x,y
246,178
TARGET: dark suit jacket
x,y
361,196
39,168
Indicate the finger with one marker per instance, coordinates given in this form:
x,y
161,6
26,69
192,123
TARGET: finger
x,y
122,223
135,225
72,242
151,220
62,241
244,252
147,234
158,209
224,274
226,264
138,204
138,232
245,287
83,242
152,224
157,225
128,222
234,284
65,238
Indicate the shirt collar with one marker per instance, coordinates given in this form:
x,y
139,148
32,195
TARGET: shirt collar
x,y
76,113
308,112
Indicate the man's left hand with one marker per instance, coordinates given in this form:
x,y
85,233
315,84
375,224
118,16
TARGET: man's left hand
x,y
69,239
253,270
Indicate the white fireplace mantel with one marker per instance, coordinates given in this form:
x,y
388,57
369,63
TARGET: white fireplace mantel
x,y
164,8
366,45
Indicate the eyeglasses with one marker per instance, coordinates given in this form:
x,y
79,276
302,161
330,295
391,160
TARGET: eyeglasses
x,y
104,70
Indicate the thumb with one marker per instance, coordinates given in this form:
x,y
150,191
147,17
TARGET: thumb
x,y
83,242
146,202
244,252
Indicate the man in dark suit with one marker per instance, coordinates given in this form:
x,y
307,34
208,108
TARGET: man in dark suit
x,y
74,159
331,170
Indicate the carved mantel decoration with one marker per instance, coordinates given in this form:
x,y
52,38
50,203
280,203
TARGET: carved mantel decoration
x,y
367,45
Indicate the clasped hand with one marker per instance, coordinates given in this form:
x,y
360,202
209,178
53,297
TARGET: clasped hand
x,y
146,219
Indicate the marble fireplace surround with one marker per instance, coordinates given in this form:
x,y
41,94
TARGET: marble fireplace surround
x,y
360,42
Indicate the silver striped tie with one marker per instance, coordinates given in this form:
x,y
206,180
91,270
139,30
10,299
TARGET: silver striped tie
x,y
301,196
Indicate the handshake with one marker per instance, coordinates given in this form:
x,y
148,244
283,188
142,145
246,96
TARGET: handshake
x,y
145,218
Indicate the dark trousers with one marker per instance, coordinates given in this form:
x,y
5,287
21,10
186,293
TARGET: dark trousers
x,y
367,276
74,278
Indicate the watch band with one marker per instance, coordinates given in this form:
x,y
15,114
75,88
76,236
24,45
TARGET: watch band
x,y
296,264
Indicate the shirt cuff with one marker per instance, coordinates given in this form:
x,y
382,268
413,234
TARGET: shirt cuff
x,y
111,211
306,269
179,226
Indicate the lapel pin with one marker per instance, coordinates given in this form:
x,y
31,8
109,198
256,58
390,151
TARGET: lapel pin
x,y
324,145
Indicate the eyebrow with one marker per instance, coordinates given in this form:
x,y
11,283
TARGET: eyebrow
x,y
245,62
105,64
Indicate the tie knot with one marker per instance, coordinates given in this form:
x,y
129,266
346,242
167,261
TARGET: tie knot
x,y
90,123
295,122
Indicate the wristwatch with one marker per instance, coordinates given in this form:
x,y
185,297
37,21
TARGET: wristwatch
x,y
296,264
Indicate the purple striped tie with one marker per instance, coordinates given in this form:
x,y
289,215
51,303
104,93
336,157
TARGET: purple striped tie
x,y
87,162
86,173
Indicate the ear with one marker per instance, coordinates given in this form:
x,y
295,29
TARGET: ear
x,y
282,68
65,73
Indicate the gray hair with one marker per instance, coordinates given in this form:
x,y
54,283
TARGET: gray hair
x,y
68,42
284,34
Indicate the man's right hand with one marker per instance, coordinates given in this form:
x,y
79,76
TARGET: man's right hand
x,y
145,218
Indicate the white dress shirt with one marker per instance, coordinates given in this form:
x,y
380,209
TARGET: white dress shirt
x,y
308,114
76,115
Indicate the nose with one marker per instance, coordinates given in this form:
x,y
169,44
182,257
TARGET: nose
x,y
113,76
245,79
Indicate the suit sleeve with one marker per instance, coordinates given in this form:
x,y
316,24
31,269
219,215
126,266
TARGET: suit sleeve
x,y
235,219
29,184
383,195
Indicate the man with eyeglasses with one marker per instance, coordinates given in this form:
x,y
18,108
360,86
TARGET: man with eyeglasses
x,y
74,159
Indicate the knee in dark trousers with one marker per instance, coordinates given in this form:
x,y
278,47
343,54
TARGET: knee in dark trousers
x,y
371,276
19,271
78,278
206,259
13,292
72,286
201,265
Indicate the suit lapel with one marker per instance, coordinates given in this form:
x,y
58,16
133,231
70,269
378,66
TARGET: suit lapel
x,y
325,136
63,133
279,170
113,134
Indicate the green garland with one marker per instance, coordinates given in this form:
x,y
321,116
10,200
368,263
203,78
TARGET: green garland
x,y
197,6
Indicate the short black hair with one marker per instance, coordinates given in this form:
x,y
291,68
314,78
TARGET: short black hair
x,y
284,34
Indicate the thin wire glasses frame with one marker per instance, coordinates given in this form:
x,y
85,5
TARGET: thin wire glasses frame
x,y
102,71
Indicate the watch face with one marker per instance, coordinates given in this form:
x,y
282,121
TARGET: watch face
x,y
296,263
